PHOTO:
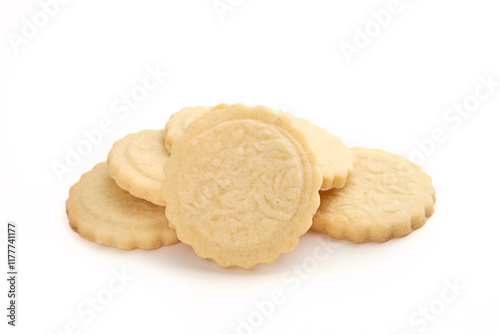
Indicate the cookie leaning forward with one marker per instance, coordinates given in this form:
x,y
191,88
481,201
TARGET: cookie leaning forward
x,y
334,158
386,197
102,212
136,164
241,186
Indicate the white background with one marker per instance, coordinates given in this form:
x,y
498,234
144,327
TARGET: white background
x,y
284,54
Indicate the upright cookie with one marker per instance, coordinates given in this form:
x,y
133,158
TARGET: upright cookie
x,y
241,186
386,197
136,164
180,120
334,158
102,212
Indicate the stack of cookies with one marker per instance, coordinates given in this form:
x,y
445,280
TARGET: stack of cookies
x,y
241,184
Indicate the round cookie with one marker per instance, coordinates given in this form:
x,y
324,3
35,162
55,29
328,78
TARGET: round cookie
x,y
334,158
136,164
241,186
102,212
180,120
386,197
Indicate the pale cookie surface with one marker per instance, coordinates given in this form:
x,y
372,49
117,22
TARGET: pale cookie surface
x,y
102,212
386,197
241,186
180,120
334,158
136,164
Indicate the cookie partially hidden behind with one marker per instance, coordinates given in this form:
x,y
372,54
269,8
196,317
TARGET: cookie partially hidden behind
x,y
386,197
180,120
136,164
334,158
102,212
241,186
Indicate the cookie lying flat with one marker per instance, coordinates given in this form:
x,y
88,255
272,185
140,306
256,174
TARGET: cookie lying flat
x,y
102,212
136,164
180,120
386,197
334,158
241,186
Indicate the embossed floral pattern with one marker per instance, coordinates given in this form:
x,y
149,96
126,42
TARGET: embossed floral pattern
x,y
386,197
